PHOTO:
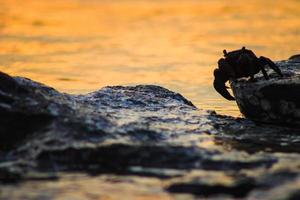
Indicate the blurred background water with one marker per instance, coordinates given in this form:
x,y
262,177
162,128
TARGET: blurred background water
x,y
78,46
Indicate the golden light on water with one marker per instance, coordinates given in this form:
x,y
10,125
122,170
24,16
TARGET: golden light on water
x,y
80,46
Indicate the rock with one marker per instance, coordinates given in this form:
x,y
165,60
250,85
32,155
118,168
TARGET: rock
x,y
274,101
205,187
295,57
141,139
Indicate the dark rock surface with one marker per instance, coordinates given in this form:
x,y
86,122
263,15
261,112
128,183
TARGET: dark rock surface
x,y
274,101
134,143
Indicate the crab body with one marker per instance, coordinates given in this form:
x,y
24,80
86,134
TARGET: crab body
x,y
237,64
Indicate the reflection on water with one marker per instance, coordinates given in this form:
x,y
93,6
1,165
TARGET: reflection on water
x,y
79,187
79,46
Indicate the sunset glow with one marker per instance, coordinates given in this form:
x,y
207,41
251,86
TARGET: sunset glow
x,y
81,46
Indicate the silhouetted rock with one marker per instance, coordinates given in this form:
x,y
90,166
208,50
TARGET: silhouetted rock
x,y
295,57
121,134
274,101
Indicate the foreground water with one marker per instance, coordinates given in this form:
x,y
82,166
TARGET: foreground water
x,y
80,46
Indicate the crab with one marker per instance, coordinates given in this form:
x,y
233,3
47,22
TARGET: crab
x,y
237,64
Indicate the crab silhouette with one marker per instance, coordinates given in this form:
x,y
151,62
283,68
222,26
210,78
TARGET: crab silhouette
x,y
237,64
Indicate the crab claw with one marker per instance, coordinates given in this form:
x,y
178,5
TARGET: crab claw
x,y
219,85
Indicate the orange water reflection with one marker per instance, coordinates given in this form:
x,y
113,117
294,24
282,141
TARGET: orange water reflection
x,y
79,46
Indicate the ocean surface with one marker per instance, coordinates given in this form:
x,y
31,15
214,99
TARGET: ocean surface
x,y
78,46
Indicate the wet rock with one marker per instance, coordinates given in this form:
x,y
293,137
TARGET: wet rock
x,y
274,101
295,57
141,136
8,175
238,189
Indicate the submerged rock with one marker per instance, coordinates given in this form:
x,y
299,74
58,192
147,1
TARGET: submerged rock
x,y
145,139
274,101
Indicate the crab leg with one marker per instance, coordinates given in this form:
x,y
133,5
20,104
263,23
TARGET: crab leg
x,y
219,85
262,67
269,62
222,75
